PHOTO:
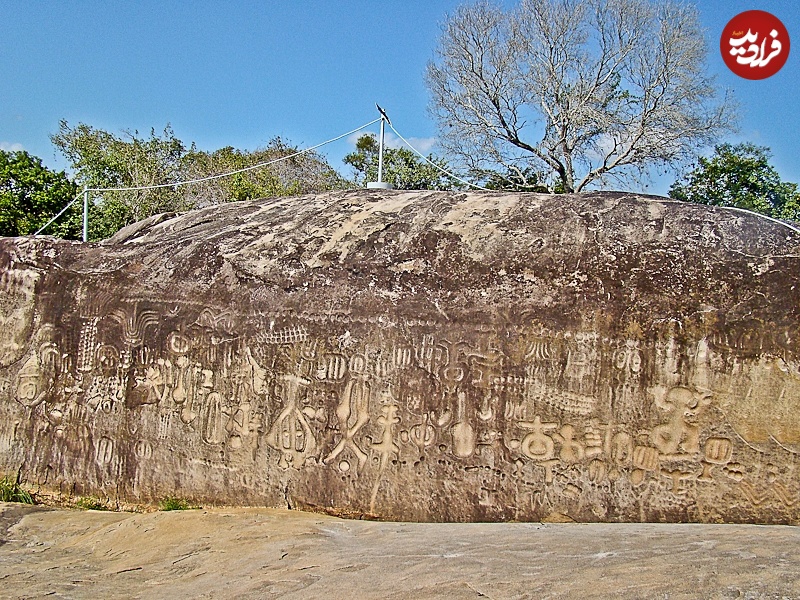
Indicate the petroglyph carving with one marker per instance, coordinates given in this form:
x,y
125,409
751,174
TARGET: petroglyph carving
x,y
386,447
178,343
718,451
243,425
332,367
291,433
152,384
134,324
682,406
105,451
645,459
464,439
678,478
87,347
352,414
223,321
506,376
572,450
538,391
628,357
290,335
423,434
37,378
537,445
31,388
213,426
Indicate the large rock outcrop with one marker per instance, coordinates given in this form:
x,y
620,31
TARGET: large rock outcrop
x,y
414,355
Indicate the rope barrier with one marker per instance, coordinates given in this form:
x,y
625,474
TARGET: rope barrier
x,y
309,149
430,162
63,210
208,178
237,171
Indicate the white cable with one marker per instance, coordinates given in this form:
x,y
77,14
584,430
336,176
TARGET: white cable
x,y
734,208
763,216
228,174
63,210
202,179
746,211
429,161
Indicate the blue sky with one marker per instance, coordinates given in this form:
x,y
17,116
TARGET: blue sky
x,y
241,73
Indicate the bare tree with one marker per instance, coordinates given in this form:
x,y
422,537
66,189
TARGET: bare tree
x,y
586,90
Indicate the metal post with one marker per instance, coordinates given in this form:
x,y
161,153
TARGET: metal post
x,y
86,215
380,184
380,153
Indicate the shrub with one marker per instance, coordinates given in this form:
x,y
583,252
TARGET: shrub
x,y
12,491
173,503
90,503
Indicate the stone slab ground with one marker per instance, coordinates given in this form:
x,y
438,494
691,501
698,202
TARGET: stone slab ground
x,y
268,553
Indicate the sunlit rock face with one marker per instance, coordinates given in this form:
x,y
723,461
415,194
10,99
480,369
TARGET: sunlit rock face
x,y
415,355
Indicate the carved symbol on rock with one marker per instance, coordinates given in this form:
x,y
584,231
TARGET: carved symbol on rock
x,y
87,346
179,394
572,450
291,433
134,324
718,451
105,451
28,387
178,343
645,459
144,449
108,358
154,386
629,357
353,414
677,476
423,434
386,447
462,432
537,445
243,423
213,429
37,377
331,368
681,404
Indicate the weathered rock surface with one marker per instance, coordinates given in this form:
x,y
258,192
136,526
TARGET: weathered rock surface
x,y
289,555
417,356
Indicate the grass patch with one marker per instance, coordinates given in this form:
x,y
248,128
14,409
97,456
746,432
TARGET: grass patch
x,y
173,503
12,491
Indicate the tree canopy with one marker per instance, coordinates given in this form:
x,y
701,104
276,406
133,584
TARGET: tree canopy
x,y
101,159
401,167
31,194
585,91
741,176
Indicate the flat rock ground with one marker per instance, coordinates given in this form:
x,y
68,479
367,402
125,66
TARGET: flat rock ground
x,y
266,553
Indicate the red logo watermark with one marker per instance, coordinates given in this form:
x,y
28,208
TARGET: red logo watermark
x,y
754,44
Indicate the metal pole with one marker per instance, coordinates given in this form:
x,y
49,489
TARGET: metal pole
x,y
380,153
86,215
380,184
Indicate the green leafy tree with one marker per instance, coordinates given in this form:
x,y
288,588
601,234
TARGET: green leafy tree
x,y
286,175
102,160
31,194
401,167
741,176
